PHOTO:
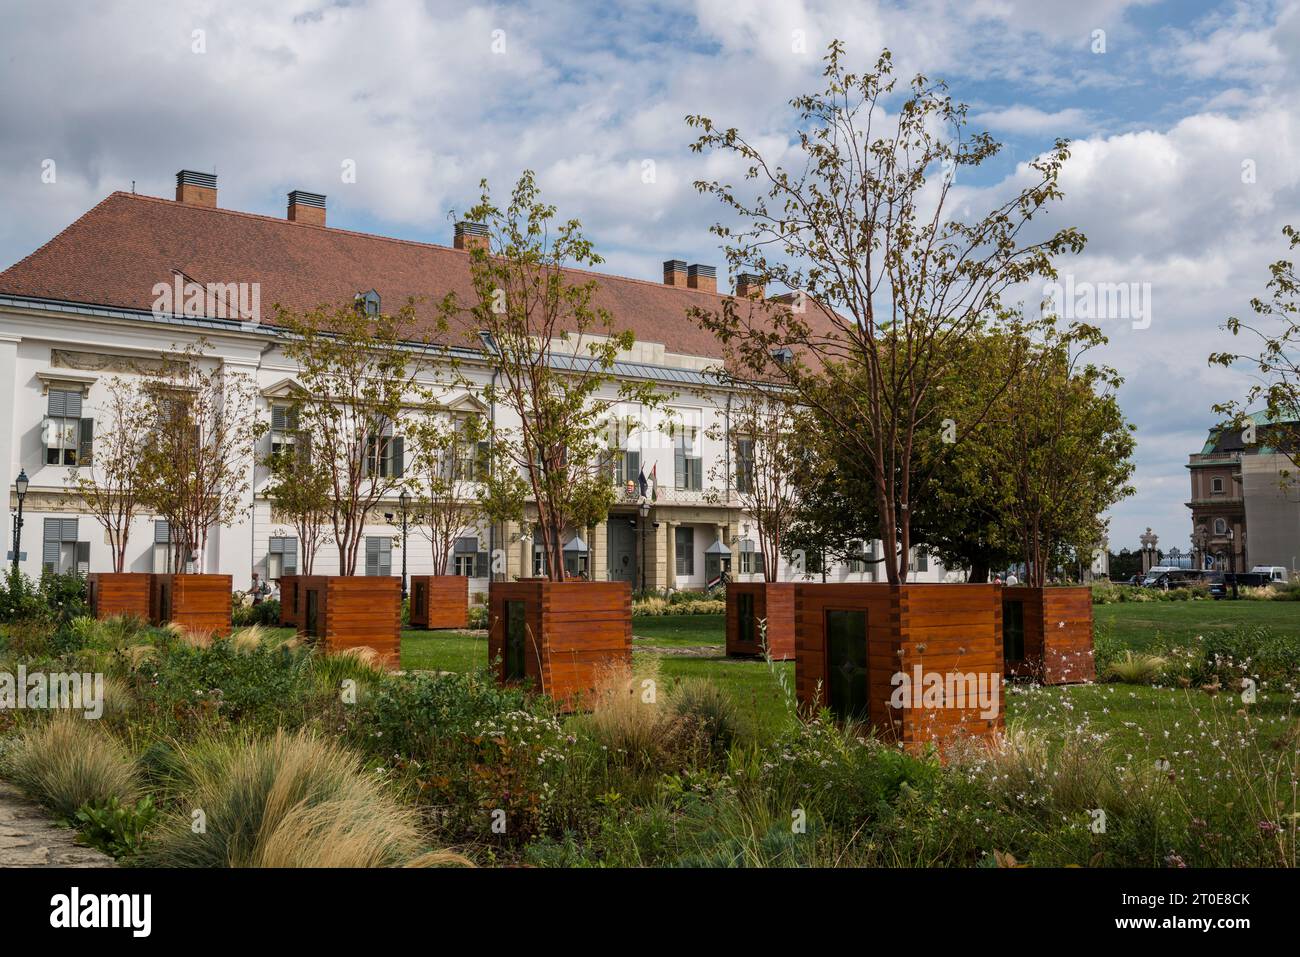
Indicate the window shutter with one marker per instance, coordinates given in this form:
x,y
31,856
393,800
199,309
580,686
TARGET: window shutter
x,y
83,557
484,459
398,447
161,533
56,408
633,464
68,529
87,446
385,556
679,468
372,556
279,418
72,405
289,564
467,545
372,447
50,545
482,567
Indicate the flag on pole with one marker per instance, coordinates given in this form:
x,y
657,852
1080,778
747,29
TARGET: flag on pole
x,y
654,483
640,480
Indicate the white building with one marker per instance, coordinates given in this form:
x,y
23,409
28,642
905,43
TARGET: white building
x,y
82,309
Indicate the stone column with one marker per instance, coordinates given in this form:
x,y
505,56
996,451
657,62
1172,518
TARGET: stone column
x,y
670,554
598,557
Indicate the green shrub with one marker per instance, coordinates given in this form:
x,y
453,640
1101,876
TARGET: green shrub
x,y
68,762
115,828
265,613
708,717
478,616
1135,668
1258,653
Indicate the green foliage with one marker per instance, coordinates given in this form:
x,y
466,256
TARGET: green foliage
x,y
68,762
288,800
265,613
53,598
533,313
115,828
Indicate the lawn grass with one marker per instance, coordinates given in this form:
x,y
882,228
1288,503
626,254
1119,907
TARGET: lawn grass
x,y
1139,625
675,631
1148,722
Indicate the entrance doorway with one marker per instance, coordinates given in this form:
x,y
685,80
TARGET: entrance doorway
x,y
622,550
846,664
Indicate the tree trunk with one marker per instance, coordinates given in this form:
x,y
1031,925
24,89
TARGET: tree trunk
x,y
979,573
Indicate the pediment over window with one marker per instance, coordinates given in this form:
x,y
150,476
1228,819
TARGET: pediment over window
x,y
288,388
466,402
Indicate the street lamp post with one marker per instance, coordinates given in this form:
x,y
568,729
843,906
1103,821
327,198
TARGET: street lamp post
x,y
1232,563
403,500
644,510
20,486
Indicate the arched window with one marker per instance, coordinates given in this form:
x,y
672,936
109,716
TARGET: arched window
x,y
1220,527
1216,486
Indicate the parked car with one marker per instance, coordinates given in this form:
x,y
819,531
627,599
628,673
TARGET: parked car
x,y
1275,573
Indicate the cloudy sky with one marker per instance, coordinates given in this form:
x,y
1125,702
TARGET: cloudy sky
x,y
1184,116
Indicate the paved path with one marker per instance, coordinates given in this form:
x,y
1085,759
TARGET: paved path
x,y
28,838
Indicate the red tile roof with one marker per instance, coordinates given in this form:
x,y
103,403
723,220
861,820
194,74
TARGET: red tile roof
x,y
115,254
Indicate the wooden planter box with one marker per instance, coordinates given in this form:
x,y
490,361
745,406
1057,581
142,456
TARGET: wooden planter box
x,y
439,601
289,598
352,611
120,593
858,648
1047,634
198,603
557,635
747,603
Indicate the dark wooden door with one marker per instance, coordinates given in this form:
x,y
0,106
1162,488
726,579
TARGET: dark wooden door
x,y
846,662
311,617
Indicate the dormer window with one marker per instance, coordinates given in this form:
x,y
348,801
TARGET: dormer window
x,y
368,303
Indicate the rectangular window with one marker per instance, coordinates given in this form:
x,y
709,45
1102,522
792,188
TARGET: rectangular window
x,y
467,559
284,428
846,664
684,547
282,557
745,466
688,471
69,438
60,550
516,641
386,454
857,557
379,556
751,559
1013,630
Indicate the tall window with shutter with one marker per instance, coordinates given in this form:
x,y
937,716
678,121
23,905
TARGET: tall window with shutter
x,y
282,557
466,557
684,549
69,437
745,465
60,550
688,467
386,454
625,461
751,558
379,556
284,428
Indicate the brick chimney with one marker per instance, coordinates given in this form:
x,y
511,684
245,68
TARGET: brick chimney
x,y
703,278
471,236
307,208
749,285
675,272
196,189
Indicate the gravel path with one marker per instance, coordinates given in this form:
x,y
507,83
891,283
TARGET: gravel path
x,y
28,838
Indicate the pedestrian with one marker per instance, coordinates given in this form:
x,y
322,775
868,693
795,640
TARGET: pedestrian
x,y
259,589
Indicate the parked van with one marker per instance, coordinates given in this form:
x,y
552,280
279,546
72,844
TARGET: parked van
x,y
1275,573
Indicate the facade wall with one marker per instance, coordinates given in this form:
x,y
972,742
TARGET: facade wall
x,y
40,350
1272,514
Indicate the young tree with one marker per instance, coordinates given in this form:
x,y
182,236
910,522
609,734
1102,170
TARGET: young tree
x,y
552,351
886,282
451,459
1065,455
300,489
195,471
358,373
111,488
768,453
1278,361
